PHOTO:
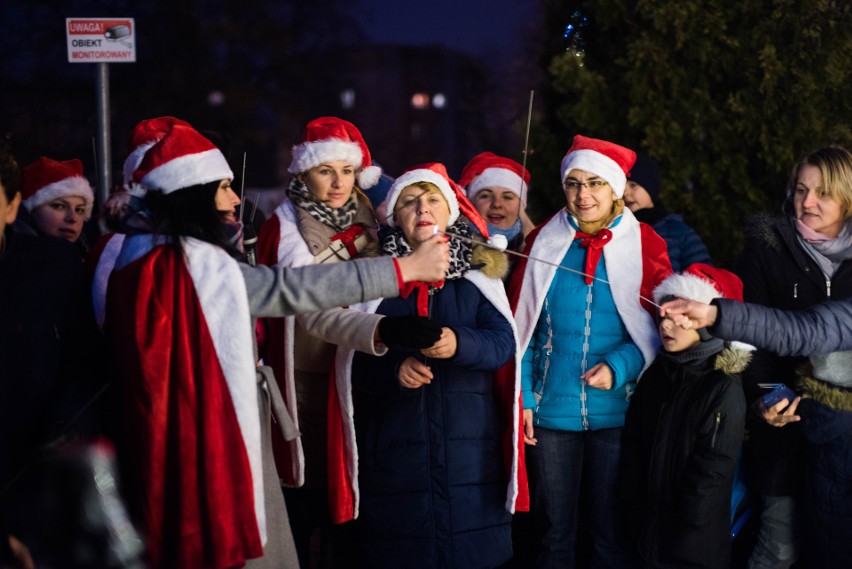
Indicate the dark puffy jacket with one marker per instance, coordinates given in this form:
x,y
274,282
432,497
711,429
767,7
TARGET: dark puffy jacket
x,y
826,414
776,271
682,437
685,247
50,363
826,327
432,480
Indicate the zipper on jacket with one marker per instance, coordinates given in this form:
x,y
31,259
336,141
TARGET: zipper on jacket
x,y
587,332
828,288
716,429
795,290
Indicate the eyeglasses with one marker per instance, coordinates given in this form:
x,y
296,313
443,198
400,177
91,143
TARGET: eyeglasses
x,y
576,185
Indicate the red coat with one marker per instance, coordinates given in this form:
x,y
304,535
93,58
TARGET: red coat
x,y
182,332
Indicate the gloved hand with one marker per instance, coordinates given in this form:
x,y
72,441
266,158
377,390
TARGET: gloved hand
x,y
412,332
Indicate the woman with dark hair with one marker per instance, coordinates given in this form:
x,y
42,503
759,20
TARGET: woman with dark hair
x,y
194,404
792,262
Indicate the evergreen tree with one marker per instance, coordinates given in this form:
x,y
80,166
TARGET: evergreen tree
x,y
725,96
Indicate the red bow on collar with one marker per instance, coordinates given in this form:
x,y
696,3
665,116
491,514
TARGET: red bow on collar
x,y
348,237
422,289
594,245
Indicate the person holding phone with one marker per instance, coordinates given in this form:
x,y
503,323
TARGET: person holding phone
x,y
791,262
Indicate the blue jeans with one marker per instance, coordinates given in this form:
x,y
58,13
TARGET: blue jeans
x,y
556,466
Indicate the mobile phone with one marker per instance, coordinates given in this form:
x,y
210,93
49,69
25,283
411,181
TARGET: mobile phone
x,y
778,392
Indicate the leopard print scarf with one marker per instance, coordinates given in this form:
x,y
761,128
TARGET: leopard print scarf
x,y
395,245
336,218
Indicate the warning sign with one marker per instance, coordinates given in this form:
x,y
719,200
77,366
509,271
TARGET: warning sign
x,y
101,40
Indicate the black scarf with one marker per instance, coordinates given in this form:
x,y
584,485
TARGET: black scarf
x,y
697,356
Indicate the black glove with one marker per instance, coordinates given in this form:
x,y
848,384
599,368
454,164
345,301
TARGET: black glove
x,y
412,332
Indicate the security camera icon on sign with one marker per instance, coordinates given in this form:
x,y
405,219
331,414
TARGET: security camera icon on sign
x,y
120,33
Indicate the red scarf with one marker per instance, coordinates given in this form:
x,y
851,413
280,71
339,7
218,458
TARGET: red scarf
x,y
348,237
594,245
422,289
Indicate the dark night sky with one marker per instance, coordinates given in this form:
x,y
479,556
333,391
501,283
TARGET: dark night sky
x,y
487,28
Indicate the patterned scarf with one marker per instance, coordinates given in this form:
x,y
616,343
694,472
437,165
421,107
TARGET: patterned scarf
x,y
336,218
395,245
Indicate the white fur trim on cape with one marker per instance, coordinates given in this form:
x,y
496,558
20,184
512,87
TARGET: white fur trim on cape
x,y
421,175
311,154
597,164
623,261
292,251
189,170
343,379
222,295
498,178
494,291
691,287
106,263
67,187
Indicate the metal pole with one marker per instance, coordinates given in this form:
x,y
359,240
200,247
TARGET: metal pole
x,y
104,165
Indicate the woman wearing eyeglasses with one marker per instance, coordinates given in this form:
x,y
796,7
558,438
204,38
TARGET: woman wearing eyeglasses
x,y
585,337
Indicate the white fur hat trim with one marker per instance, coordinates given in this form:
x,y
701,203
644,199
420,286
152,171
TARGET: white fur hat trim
x,y
686,286
597,164
498,177
311,154
67,187
421,175
189,170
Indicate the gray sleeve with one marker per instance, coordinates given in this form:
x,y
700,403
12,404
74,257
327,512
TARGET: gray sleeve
x,y
825,328
343,327
283,291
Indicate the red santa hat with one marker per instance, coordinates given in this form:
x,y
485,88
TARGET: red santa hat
x,y
167,154
327,139
487,170
436,173
702,283
601,158
46,179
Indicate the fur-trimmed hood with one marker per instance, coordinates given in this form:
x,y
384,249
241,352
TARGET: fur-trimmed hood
x,y
493,263
831,396
732,359
764,229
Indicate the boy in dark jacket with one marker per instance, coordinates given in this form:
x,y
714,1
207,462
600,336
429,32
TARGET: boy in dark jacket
x,y
683,433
